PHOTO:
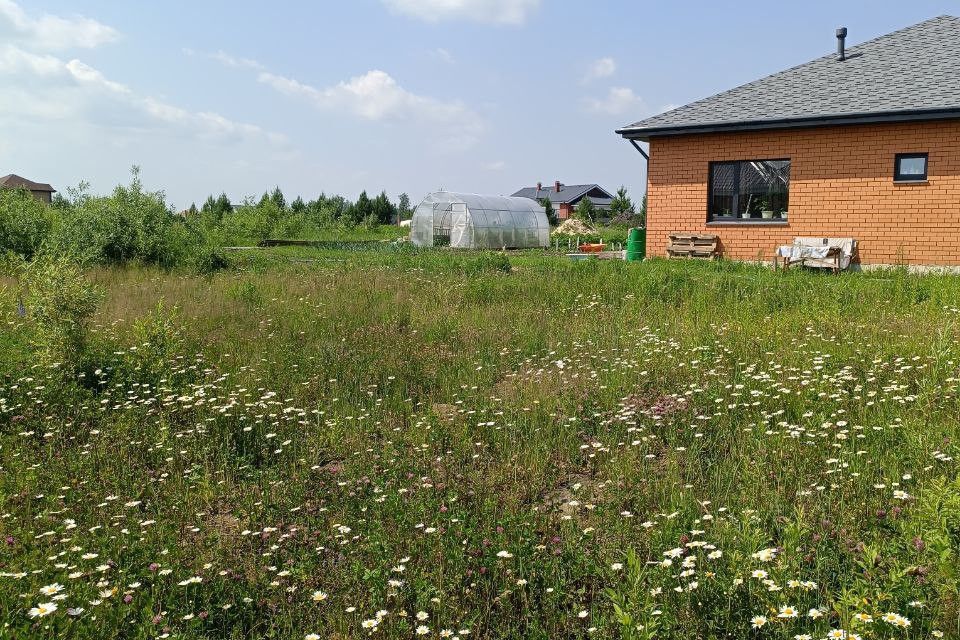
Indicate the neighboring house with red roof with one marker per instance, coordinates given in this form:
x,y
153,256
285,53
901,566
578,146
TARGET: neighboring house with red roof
x,y
566,197
40,190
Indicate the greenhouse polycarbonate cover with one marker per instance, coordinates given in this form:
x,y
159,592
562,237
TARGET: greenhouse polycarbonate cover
x,y
471,221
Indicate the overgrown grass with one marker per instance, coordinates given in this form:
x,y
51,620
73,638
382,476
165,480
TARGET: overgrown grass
x,y
513,447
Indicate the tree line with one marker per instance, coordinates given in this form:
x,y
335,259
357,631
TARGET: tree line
x,y
323,212
133,224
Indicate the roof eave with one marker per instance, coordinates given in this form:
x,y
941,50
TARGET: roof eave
x,y
913,115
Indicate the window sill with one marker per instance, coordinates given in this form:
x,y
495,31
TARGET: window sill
x,y
748,222
908,182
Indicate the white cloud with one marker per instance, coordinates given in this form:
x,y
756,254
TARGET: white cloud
x,y
42,86
86,74
618,101
510,12
442,55
239,63
225,59
209,123
602,68
496,165
52,33
374,96
15,60
377,96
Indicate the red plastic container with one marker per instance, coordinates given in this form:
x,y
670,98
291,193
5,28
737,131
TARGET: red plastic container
x,y
592,248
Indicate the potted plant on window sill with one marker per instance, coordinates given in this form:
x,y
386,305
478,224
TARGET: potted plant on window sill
x,y
765,211
782,214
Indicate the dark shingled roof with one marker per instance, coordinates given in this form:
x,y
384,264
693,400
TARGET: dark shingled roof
x,y
13,181
567,193
910,74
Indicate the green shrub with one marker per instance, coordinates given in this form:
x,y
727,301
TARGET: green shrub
x,y
129,225
134,225
157,341
248,293
24,222
488,262
209,258
60,301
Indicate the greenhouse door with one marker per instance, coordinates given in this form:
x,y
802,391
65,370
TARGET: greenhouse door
x,y
459,226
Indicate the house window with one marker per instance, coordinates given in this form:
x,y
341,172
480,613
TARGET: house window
x,y
910,167
749,191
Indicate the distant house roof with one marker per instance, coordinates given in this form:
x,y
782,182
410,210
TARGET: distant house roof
x,y
13,181
907,75
569,193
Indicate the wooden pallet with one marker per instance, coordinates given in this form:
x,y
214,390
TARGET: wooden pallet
x,y
693,245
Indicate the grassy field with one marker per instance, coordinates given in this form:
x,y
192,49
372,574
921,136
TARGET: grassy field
x,y
399,443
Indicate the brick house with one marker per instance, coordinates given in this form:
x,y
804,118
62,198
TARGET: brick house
x,y
864,143
40,190
566,197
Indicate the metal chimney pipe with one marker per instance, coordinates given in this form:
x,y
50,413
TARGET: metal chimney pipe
x,y
842,43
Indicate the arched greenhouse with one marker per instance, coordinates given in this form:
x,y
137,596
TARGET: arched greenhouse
x,y
470,221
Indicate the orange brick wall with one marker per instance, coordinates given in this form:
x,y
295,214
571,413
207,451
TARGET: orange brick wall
x,y
841,185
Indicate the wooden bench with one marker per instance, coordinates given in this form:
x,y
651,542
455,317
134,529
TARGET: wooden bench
x,y
692,245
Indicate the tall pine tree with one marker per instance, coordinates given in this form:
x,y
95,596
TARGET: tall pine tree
x,y
403,207
621,203
383,210
277,198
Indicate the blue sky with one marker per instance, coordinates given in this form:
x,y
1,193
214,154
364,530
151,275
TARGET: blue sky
x,y
482,96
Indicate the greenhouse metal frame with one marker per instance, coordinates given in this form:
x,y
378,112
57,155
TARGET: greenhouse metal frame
x,y
471,221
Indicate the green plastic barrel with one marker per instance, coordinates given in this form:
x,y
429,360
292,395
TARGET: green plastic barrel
x,y
636,244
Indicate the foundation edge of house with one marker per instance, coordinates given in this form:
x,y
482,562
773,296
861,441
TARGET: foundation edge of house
x,y
915,269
